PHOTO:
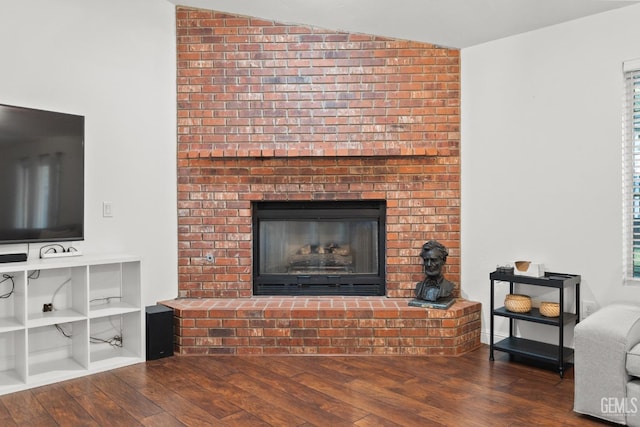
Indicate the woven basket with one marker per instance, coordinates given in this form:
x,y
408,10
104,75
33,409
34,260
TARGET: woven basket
x,y
550,309
517,303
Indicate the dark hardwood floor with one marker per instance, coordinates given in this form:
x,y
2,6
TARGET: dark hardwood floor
x,y
305,391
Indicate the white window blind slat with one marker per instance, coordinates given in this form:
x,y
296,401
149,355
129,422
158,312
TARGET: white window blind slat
x,y
631,65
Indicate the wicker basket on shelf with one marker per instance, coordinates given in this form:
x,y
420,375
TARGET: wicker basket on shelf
x,y
517,303
550,309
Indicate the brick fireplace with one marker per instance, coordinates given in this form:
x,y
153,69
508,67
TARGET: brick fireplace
x,y
273,112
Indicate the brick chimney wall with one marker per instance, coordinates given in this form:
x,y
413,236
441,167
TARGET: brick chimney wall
x,y
270,111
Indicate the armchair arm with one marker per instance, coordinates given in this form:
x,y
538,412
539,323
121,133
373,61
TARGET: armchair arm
x,y
601,342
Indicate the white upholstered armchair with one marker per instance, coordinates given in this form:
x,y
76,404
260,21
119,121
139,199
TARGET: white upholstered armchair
x,y
607,364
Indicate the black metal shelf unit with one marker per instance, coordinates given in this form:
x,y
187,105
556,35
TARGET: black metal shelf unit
x,y
559,355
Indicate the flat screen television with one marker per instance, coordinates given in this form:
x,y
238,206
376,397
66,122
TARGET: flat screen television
x,y
41,176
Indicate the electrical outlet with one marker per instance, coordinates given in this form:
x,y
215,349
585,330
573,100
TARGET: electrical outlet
x,y
107,209
47,307
588,308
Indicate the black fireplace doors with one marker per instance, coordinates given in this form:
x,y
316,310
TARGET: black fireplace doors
x,y
319,248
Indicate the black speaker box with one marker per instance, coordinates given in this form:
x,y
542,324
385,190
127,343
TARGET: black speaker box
x,y
159,331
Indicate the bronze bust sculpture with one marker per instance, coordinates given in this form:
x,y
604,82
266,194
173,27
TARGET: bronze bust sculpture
x,y
434,286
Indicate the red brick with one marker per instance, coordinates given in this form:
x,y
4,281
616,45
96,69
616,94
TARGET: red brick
x,y
386,314
194,332
235,341
206,323
277,332
235,323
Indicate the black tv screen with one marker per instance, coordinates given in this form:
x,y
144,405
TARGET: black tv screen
x,y
41,175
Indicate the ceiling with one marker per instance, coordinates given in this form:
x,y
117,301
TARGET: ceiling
x,y
450,23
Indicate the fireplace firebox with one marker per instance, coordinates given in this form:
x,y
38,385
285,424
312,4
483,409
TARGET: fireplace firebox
x,y
319,248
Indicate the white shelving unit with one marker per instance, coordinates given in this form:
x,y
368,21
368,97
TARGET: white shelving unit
x,y
68,317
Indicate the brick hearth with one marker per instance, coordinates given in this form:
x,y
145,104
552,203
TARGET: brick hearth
x,y
323,325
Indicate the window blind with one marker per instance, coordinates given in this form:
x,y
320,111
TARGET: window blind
x,y
631,172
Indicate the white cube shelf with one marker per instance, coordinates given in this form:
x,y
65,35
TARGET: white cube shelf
x,y
68,317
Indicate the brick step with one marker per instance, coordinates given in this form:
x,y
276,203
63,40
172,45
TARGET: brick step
x,y
323,325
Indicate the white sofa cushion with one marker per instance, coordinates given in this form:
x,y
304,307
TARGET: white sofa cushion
x,y
633,361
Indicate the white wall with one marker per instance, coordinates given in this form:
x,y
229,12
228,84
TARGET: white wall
x,y
541,156
114,63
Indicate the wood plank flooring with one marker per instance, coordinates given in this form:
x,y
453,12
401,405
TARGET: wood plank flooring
x,y
305,391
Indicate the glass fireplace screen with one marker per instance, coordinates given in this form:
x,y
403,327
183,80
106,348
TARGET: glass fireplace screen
x,y
345,246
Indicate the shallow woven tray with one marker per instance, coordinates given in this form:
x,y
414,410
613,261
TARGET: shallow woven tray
x,y
517,303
